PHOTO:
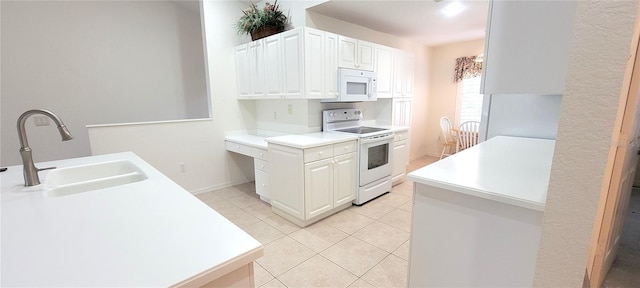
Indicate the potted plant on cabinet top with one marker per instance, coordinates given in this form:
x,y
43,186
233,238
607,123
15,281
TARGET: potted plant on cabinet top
x,y
260,23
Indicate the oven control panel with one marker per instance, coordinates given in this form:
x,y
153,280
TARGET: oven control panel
x,y
339,115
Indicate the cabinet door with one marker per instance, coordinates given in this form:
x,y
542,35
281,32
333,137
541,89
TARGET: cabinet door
x,y
242,70
318,187
400,160
293,63
398,74
347,52
364,55
287,180
408,75
331,65
256,68
344,178
401,112
262,183
314,64
272,69
384,69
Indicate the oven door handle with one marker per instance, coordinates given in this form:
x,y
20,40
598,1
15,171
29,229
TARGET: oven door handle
x,y
372,140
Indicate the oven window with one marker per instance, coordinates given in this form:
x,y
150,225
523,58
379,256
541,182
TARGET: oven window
x,y
356,88
378,156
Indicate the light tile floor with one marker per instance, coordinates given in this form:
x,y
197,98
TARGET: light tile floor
x,y
365,246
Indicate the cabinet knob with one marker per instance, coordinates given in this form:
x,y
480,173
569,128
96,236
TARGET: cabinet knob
x,y
346,148
320,153
262,166
261,154
237,146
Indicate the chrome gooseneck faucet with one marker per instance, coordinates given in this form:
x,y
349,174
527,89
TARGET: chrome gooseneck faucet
x,y
30,171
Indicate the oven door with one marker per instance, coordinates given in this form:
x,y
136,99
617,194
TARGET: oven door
x,y
375,158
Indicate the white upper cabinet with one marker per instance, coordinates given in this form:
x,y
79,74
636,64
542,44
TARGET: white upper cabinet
x,y
321,64
302,63
518,38
331,65
250,69
242,65
293,63
383,66
272,69
355,54
402,75
298,63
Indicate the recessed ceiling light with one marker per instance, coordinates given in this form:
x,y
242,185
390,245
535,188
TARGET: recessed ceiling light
x,y
452,9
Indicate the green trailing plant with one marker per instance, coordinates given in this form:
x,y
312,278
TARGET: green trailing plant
x,y
254,18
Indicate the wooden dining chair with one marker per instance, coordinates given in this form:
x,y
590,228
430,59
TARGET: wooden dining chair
x,y
467,135
448,140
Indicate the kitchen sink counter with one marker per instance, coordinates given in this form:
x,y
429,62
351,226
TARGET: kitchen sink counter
x,y
147,233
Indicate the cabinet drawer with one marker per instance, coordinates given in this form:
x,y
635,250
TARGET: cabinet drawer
x,y
318,153
247,150
399,136
261,165
262,184
261,154
344,148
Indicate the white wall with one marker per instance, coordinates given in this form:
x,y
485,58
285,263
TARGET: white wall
x,y
523,115
96,62
597,60
198,144
443,91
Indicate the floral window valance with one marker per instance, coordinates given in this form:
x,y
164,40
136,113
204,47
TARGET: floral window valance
x,y
467,67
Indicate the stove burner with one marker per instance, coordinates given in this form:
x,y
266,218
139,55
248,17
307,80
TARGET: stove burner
x,y
361,130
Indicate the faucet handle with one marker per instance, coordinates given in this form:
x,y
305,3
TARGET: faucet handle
x,y
47,168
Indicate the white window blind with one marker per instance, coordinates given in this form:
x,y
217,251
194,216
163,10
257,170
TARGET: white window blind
x,y
469,100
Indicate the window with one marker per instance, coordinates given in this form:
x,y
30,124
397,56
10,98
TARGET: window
x,y
469,100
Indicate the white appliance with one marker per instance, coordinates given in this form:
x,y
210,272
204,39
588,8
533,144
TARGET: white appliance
x,y
355,86
375,148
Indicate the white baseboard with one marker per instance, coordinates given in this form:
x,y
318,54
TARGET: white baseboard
x,y
217,187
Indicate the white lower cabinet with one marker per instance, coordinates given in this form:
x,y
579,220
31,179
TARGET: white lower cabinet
x,y
261,169
310,184
400,157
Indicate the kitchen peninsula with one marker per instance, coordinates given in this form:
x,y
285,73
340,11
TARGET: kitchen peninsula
x,y
477,215
146,233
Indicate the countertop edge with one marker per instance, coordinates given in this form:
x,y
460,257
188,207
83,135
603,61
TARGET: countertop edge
x,y
307,146
478,193
225,268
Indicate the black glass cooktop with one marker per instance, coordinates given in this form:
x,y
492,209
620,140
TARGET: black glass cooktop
x,y
362,130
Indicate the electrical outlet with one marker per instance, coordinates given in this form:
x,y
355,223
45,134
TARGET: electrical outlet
x,y
275,115
41,120
290,109
182,168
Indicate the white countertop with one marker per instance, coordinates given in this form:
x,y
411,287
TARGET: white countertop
x,y
149,233
511,170
249,140
304,141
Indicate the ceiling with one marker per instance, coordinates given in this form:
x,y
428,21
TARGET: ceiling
x,y
419,20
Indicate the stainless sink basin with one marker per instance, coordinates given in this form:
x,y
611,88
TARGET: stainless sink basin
x,y
77,179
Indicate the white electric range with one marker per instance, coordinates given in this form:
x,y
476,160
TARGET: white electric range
x,y
375,151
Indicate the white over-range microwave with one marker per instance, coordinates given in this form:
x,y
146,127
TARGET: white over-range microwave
x,y
355,86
